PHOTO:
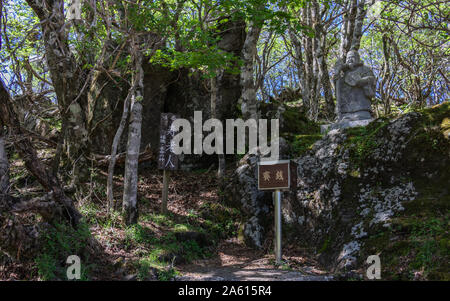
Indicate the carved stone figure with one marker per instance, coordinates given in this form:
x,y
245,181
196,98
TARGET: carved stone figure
x,y
355,87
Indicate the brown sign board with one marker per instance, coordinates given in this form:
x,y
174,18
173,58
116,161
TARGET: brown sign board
x,y
273,175
167,159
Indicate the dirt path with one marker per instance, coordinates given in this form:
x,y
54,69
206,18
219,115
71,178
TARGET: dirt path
x,y
235,262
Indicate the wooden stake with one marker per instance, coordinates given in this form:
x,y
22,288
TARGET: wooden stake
x,y
165,192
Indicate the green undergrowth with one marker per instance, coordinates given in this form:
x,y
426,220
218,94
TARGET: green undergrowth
x,y
57,244
160,254
296,122
161,242
185,238
156,245
302,143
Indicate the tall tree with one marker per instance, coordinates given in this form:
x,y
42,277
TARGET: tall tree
x,y
351,29
249,101
130,209
320,45
67,80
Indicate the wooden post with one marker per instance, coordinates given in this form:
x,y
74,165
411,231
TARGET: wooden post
x,y
167,159
278,226
165,192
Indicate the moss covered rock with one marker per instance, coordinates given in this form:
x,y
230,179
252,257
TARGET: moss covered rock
x,y
380,189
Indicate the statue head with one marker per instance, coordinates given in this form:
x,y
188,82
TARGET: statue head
x,y
353,58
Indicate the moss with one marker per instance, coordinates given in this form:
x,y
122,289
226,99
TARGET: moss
x,y
325,245
296,122
418,239
363,140
436,114
445,128
300,132
241,236
429,135
303,143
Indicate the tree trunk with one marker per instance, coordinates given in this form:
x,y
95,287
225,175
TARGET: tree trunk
x,y
311,76
348,27
326,83
303,85
130,210
131,165
249,103
385,77
66,77
320,45
4,166
115,145
359,22
214,103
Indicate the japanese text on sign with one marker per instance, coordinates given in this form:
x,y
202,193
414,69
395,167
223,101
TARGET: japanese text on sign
x,y
167,159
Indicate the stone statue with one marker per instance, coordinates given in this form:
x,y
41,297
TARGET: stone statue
x,y
355,87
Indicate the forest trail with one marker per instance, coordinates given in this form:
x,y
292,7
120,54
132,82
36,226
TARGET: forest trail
x,y
235,262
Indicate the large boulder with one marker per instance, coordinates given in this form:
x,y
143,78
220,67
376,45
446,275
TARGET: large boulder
x,y
375,190
355,183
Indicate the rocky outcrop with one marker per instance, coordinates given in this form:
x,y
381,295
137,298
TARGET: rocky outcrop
x,y
354,186
353,182
180,91
183,91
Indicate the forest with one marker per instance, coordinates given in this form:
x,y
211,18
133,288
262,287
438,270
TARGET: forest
x,y
84,86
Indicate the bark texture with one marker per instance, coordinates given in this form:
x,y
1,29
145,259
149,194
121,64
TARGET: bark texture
x,y
4,166
131,166
320,56
130,210
115,145
66,77
249,105
351,30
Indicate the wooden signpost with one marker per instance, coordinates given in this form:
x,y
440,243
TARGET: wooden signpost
x,y
277,175
167,159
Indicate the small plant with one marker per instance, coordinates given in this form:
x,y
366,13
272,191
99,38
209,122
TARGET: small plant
x,y
167,274
145,269
47,267
150,266
58,243
325,245
138,234
192,250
